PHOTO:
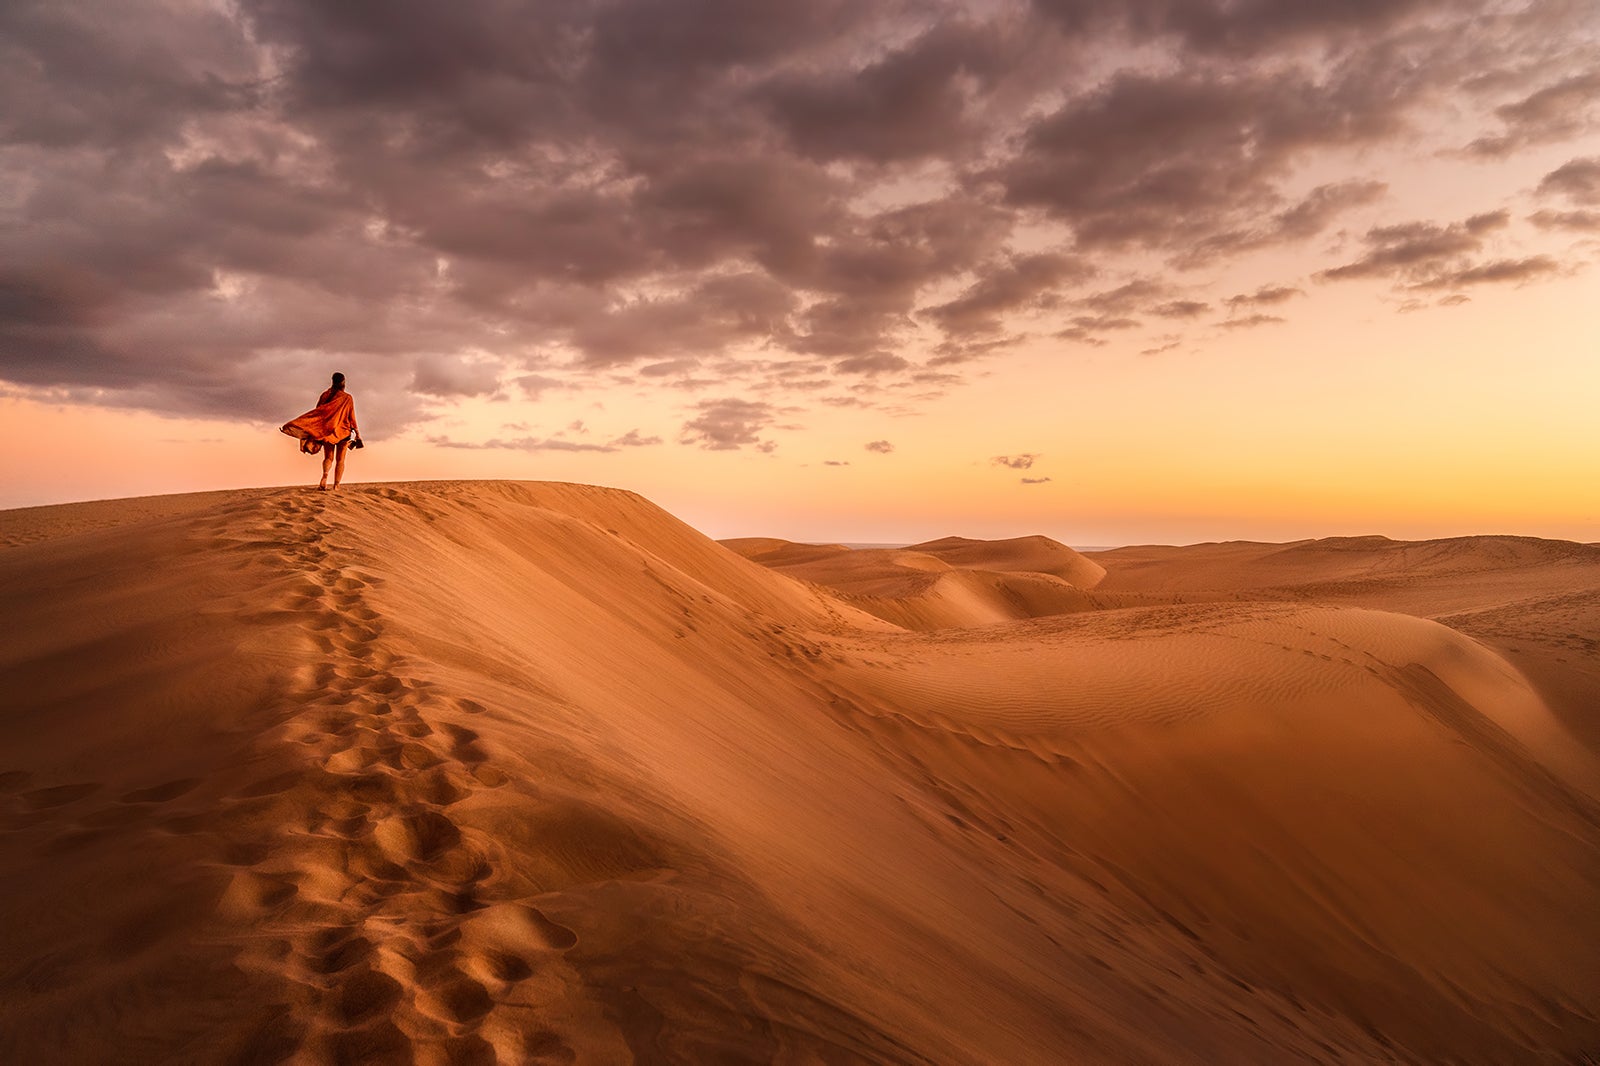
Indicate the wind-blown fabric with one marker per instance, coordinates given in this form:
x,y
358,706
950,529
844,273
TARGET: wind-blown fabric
x,y
332,421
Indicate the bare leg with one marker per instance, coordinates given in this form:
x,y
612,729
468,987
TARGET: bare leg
x,y
327,461
338,469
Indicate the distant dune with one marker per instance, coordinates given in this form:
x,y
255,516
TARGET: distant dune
x,y
943,583
523,772
1535,601
1421,575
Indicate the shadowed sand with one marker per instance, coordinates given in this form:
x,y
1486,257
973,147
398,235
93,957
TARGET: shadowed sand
x,y
505,772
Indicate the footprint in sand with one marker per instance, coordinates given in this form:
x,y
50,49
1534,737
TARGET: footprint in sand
x,y
367,994
455,998
503,943
350,761
388,686
519,929
506,967
419,836
489,777
464,744
250,893
418,757
374,788
335,950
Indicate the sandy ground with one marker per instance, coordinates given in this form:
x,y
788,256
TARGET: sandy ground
x,y
516,772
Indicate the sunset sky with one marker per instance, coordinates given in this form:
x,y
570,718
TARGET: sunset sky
x,y
1115,272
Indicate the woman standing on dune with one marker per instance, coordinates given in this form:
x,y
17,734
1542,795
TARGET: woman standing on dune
x,y
329,427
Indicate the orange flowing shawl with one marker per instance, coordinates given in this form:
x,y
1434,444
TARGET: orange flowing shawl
x,y
332,421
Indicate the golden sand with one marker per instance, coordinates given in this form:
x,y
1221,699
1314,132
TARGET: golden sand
x,y
519,772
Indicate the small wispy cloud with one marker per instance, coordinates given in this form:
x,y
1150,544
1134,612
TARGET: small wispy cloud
x,y
1266,296
1250,321
630,439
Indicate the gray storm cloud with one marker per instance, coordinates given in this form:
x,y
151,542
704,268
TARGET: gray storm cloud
x,y
205,205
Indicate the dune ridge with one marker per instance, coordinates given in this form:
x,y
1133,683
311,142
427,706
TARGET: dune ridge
x,y
522,772
1535,601
940,584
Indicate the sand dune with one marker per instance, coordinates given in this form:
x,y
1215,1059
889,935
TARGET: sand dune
x,y
1036,555
476,772
1415,576
941,584
1537,602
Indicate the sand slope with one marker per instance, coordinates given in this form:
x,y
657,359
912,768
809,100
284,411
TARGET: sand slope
x,y
475,772
941,584
1535,601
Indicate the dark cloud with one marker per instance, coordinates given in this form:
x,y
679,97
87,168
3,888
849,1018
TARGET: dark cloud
x,y
1497,270
127,74
453,375
912,103
1129,297
1305,219
719,311
1024,461
1428,255
1090,329
1577,180
876,362
836,462
1035,480
882,447
729,424
1180,309
1018,283
1218,26
1188,162
535,385
203,207
1558,111
1266,296
1581,221
1318,208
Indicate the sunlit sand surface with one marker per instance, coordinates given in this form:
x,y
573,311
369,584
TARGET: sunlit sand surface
x,y
459,772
